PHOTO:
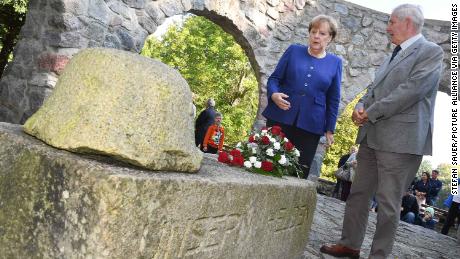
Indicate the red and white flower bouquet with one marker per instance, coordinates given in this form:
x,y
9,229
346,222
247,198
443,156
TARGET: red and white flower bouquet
x,y
266,152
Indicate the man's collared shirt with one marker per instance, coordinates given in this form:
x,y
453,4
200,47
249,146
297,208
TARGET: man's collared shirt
x,y
406,44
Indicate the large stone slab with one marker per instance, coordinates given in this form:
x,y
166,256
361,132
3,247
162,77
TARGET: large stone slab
x,y
57,204
412,242
123,105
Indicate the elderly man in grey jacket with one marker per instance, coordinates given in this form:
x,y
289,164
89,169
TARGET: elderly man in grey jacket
x,y
396,125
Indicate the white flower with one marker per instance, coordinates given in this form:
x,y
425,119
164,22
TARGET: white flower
x,y
252,145
247,164
270,152
263,132
65,194
252,159
238,145
254,150
296,152
258,164
282,160
256,135
286,140
272,139
276,145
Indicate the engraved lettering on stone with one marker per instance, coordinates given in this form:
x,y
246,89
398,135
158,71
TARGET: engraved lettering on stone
x,y
206,234
287,218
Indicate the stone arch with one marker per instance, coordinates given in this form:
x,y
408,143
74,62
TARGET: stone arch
x,y
57,29
229,27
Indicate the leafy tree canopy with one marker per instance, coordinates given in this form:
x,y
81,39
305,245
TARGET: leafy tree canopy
x,y
425,166
214,66
20,6
12,17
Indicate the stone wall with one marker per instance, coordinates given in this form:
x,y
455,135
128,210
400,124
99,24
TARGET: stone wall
x,y
56,29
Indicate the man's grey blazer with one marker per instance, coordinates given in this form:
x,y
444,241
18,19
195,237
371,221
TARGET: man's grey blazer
x,y
400,102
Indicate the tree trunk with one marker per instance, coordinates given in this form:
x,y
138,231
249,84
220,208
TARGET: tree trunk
x,y
7,47
11,21
237,94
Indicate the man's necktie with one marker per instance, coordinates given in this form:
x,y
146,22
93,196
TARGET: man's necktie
x,y
395,52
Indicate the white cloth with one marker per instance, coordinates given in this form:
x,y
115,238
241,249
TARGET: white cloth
x,y
193,110
456,198
420,201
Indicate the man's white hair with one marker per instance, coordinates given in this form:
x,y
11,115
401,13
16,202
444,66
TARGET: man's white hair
x,y
414,12
210,102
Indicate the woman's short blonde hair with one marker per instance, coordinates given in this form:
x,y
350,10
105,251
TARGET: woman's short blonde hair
x,y
320,19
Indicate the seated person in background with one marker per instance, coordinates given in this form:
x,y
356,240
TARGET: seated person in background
x,y
436,187
422,188
214,139
427,220
409,207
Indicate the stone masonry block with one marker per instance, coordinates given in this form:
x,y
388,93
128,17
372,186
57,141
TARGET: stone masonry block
x,y
56,204
52,62
123,105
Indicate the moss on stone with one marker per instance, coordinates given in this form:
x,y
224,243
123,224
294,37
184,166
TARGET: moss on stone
x,y
123,105
55,204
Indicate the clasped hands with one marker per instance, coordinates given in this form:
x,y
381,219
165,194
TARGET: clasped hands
x,y
359,116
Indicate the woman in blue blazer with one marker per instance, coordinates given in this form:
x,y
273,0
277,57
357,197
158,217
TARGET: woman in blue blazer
x,y
304,91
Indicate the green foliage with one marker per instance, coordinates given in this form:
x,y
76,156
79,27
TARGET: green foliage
x,y
12,17
425,166
20,6
214,66
344,138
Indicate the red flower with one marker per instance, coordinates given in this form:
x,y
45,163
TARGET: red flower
x,y
235,153
276,130
238,160
267,166
223,157
252,139
288,146
282,135
265,140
